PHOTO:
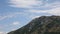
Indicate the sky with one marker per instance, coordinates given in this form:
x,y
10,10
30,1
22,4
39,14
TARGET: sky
x,y
15,14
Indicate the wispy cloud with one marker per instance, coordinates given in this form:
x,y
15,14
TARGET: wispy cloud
x,y
33,3
1,26
10,15
36,5
13,29
2,17
5,17
23,3
2,33
33,17
54,11
16,23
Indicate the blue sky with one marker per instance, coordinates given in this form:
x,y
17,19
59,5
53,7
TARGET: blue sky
x,y
16,13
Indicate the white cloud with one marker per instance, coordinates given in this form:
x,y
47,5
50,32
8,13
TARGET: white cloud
x,y
37,11
5,17
1,26
13,29
54,6
2,17
2,33
33,17
24,3
16,23
10,15
54,11
51,5
33,4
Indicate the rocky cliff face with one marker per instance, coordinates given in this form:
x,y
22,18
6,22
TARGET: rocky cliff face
x,y
41,25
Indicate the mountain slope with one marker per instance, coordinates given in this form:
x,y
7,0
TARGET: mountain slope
x,y
41,25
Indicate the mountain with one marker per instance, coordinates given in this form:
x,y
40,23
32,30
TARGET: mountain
x,y
41,25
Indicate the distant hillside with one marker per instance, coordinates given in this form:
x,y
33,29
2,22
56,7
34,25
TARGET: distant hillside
x,y
41,25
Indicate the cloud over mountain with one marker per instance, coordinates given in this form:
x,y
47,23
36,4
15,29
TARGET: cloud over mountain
x,y
38,6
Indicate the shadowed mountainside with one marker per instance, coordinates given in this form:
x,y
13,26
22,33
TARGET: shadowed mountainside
x,y
41,25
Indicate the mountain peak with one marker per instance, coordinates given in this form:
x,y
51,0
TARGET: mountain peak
x,y
41,25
